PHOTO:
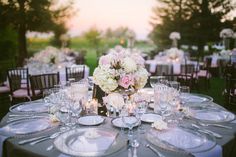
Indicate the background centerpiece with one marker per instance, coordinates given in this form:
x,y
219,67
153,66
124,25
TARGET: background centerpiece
x,y
175,55
174,36
119,71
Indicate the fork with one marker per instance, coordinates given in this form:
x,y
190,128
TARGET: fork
x,y
154,150
217,125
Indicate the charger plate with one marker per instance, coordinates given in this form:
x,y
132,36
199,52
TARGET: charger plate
x,y
193,98
181,140
28,126
101,142
212,115
30,107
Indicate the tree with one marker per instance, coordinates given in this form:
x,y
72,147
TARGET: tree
x,y
30,15
93,36
198,21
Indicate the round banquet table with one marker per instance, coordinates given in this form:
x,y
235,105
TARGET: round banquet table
x,y
11,148
176,65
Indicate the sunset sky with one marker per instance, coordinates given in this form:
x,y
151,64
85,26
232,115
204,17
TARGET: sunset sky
x,y
102,14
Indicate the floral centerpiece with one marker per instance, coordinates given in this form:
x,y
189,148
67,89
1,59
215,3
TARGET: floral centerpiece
x,y
174,36
121,69
48,55
225,53
226,33
175,54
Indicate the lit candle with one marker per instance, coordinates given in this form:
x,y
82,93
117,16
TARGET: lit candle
x,y
92,106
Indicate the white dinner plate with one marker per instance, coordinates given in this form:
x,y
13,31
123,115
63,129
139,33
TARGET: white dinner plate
x,y
118,122
150,117
91,120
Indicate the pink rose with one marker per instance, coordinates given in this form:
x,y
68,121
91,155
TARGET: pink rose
x,y
126,80
104,60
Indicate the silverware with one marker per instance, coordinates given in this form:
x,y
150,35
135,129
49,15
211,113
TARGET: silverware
x,y
206,131
22,118
216,125
50,147
32,139
46,138
154,150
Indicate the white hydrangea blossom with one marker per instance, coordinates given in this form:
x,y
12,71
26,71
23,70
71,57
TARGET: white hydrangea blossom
x,y
174,36
226,33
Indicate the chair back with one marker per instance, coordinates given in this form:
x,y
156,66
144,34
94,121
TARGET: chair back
x,y
18,78
76,73
164,69
187,69
183,79
208,63
230,84
43,82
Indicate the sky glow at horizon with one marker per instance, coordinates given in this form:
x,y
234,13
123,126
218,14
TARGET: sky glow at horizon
x,y
103,14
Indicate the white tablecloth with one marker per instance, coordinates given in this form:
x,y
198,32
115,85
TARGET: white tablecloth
x,y
176,65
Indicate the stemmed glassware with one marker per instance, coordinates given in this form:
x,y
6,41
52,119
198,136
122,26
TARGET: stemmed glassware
x,y
140,110
130,119
175,85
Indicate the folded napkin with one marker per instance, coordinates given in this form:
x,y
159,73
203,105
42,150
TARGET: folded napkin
x,y
176,137
91,143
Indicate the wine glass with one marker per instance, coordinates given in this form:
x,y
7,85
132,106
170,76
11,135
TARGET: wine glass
x,y
140,110
184,89
174,84
153,81
129,118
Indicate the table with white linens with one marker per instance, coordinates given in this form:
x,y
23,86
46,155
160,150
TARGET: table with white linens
x,y
225,146
176,65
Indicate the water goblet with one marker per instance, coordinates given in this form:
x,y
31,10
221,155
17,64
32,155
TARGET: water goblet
x,y
184,89
153,81
174,84
130,120
140,110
